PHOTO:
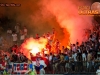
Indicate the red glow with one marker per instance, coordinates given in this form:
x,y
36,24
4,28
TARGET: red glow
x,y
66,13
33,46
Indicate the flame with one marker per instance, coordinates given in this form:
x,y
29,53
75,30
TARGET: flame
x,y
35,50
73,23
33,46
68,47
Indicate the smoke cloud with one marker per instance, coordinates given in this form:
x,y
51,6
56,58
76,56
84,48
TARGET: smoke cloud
x,y
40,16
66,13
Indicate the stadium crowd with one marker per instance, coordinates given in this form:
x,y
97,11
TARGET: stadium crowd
x,y
76,58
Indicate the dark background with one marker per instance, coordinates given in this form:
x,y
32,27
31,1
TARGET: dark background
x,y
6,21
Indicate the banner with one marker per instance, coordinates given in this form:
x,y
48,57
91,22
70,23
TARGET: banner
x,y
18,68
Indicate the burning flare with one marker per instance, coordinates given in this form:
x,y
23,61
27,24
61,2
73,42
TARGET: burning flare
x,y
33,46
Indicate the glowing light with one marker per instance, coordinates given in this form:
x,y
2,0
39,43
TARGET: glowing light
x,y
33,46
35,50
72,22
68,47
46,52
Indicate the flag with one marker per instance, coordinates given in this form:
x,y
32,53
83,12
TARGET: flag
x,y
37,61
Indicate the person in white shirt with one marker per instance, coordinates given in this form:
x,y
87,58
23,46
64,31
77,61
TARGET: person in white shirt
x,y
74,56
98,71
14,37
83,56
84,60
50,57
22,37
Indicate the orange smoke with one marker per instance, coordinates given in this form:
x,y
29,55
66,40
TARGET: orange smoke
x,y
66,13
33,46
